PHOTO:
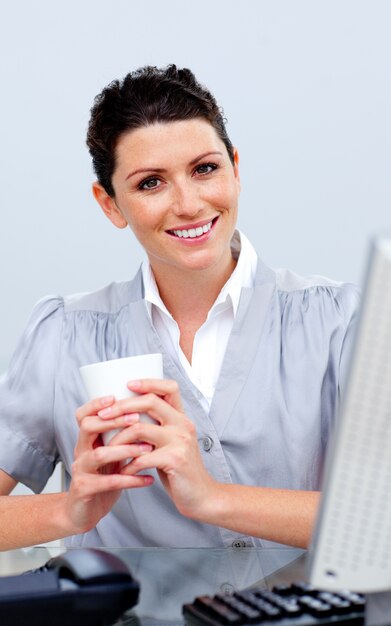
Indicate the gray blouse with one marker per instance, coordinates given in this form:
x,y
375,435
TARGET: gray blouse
x,y
270,418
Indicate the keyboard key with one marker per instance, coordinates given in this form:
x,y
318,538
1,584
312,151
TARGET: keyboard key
x,y
265,607
283,589
219,610
315,607
340,605
357,600
249,613
302,588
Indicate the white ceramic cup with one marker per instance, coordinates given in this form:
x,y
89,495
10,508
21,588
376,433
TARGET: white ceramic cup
x,y
110,378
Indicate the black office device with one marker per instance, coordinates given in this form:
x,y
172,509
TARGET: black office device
x,y
298,604
88,587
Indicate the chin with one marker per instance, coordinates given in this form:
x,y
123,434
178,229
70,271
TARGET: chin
x,y
208,262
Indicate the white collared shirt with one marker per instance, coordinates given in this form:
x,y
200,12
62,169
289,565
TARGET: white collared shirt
x,y
211,339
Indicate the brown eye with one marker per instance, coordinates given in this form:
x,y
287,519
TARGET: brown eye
x,y
205,168
149,183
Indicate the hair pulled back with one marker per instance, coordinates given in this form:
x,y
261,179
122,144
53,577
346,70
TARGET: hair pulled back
x,y
146,96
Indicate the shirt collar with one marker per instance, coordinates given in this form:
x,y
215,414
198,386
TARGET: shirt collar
x,y
242,276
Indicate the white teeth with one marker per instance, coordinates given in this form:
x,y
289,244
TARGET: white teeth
x,y
193,232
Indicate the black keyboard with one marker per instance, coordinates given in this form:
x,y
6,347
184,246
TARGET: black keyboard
x,y
298,604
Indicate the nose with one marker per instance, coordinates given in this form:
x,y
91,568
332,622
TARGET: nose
x,y
186,200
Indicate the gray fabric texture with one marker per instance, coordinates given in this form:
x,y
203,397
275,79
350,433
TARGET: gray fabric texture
x,y
271,416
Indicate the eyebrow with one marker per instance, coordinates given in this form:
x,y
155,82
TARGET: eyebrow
x,y
158,170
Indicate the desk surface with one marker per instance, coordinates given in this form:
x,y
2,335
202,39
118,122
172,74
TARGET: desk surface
x,y
171,577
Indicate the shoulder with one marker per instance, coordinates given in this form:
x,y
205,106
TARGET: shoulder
x,y
53,311
110,299
288,282
317,294
49,309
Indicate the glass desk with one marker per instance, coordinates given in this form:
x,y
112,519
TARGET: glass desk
x,y
171,577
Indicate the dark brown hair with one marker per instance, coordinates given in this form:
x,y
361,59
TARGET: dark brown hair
x,y
146,96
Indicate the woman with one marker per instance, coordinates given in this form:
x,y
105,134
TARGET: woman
x,y
254,359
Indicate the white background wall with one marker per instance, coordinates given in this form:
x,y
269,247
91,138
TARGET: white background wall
x,y
306,88
305,85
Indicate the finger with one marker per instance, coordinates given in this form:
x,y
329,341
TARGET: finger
x,y
92,427
101,483
168,389
125,436
94,460
95,425
160,458
88,436
158,436
149,403
146,433
93,406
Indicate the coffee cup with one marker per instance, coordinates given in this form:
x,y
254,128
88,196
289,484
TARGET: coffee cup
x,y
110,378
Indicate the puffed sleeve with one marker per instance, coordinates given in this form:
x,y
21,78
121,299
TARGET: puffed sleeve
x,y
348,300
28,450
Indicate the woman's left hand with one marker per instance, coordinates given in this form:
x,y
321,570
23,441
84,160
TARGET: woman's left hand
x,y
176,454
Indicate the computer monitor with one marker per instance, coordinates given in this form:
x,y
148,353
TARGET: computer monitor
x,y
351,546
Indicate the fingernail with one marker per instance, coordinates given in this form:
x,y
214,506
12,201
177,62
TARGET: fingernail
x,y
105,412
131,418
145,447
106,400
135,384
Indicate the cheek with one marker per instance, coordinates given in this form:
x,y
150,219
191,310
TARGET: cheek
x,y
221,195
143,220
229,190
231,197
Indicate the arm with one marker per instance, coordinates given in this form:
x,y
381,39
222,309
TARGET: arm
x,y
41,515
284,516
96,485
41,512
7,483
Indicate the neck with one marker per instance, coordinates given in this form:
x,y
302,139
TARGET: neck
x,y
190,295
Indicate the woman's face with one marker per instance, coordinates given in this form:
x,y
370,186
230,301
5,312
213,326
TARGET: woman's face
x,y
177,189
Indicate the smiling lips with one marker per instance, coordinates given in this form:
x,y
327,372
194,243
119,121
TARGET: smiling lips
x,y
192,233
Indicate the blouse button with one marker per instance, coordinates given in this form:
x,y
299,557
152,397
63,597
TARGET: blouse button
x,y
207,443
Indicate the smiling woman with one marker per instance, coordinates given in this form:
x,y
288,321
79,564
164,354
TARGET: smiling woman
x,y
170,180
254,359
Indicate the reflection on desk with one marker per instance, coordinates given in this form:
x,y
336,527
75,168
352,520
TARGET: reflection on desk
x,y
171,577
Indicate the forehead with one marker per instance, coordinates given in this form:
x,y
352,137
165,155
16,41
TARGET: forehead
x,y
167,142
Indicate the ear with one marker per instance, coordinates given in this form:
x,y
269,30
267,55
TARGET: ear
x,y
236,166
108,206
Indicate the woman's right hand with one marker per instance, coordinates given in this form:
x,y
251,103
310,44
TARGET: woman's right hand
x,y
96,479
